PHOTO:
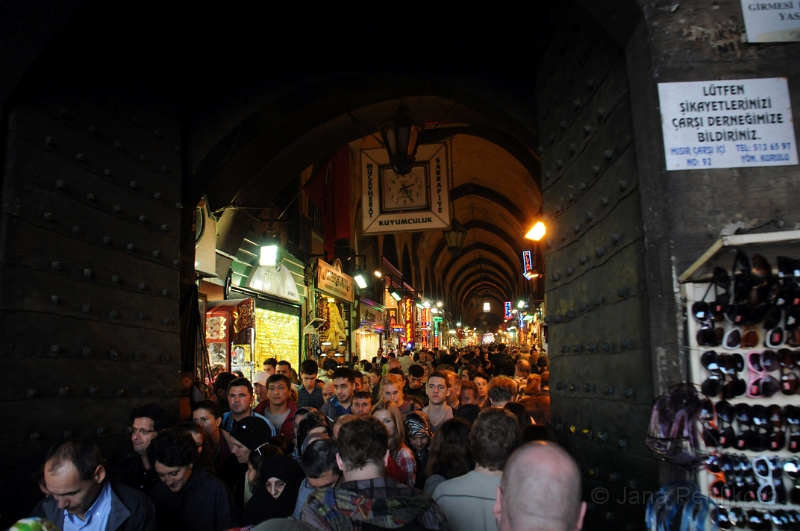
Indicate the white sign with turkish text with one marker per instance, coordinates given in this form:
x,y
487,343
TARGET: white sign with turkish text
x,y
727,124
771,21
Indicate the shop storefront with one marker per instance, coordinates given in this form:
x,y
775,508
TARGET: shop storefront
x,y
334,295
370,329
229,333
277,314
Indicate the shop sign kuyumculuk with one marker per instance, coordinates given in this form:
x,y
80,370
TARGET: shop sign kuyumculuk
x,y
404,203
727,124
772,21
331,280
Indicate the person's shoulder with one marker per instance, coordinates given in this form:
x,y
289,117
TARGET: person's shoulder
x,y
131,498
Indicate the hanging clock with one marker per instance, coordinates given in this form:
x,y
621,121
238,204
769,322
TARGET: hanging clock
x,y
405,192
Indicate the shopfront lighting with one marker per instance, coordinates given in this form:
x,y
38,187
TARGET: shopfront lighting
x,y
521,304
270,244
427,304
400,138
396,296
434,311
439,304
378,274
455,237
537,232
458,323
360,278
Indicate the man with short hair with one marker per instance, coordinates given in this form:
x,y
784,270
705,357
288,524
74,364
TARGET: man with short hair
x,y
522,370
285,368
240,400
358,381
279,408
455,389
270,366
322,470
558,507
137,471
328,391
392,389
82,496
468,500
309,395
341,404
366,497
502,390
362,403
393,363
416,383
438,390
221,383
469,393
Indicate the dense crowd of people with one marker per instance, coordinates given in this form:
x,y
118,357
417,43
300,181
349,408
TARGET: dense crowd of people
x,y
412,441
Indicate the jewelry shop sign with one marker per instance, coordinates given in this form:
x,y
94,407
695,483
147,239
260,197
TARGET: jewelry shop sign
x,y
405,203
332,281
771,21
727,124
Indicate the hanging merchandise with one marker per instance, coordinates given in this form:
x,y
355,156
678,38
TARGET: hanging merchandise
x,y
742,431
680,505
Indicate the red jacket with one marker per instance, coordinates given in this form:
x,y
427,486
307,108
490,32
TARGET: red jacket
x,y
287,428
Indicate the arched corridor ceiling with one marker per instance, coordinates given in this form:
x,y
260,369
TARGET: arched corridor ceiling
x,y
495,174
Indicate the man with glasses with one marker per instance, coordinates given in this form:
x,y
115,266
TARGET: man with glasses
x,y
137,471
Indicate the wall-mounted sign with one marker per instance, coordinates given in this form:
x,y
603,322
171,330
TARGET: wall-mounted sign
x,y
771,21
391,318
408,315
276,281
507,310
727,124
331,280
425,319
403,203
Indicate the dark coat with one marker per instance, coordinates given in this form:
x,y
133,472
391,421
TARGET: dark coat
x,y
130,510
204,504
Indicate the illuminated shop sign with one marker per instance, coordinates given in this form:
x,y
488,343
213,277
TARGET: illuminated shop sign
x,y
507,307
408,314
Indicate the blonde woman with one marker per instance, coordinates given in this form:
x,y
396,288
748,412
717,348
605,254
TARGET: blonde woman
x,y
388,413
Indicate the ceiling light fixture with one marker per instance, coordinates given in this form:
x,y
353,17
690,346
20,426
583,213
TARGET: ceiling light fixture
x,y
270,243
455,237
400,138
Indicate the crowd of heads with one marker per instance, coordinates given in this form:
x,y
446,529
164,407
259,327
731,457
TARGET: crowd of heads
x,y
446,414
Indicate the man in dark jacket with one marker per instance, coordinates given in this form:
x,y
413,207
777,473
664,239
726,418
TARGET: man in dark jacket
x,y
367,499
82,494
136,471
188,497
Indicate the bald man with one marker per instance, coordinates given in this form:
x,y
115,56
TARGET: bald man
x,y
557,508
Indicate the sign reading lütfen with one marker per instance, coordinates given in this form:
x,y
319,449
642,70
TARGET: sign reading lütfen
x,y
727,124
767,21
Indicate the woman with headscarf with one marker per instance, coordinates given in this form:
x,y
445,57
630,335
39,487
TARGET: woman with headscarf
x,y
418,437
275,495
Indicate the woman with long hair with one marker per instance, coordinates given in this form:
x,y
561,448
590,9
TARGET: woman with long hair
x,y
390,416
449,455
208,416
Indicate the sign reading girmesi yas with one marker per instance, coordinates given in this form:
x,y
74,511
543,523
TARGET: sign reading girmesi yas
x,y
727,124
771,21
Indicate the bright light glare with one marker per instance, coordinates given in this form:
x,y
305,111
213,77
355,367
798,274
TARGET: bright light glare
x,y
360,281
396,296
458,323
434,311
439,304
269,256
537,232
487,307
521,304
427,304
378,274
